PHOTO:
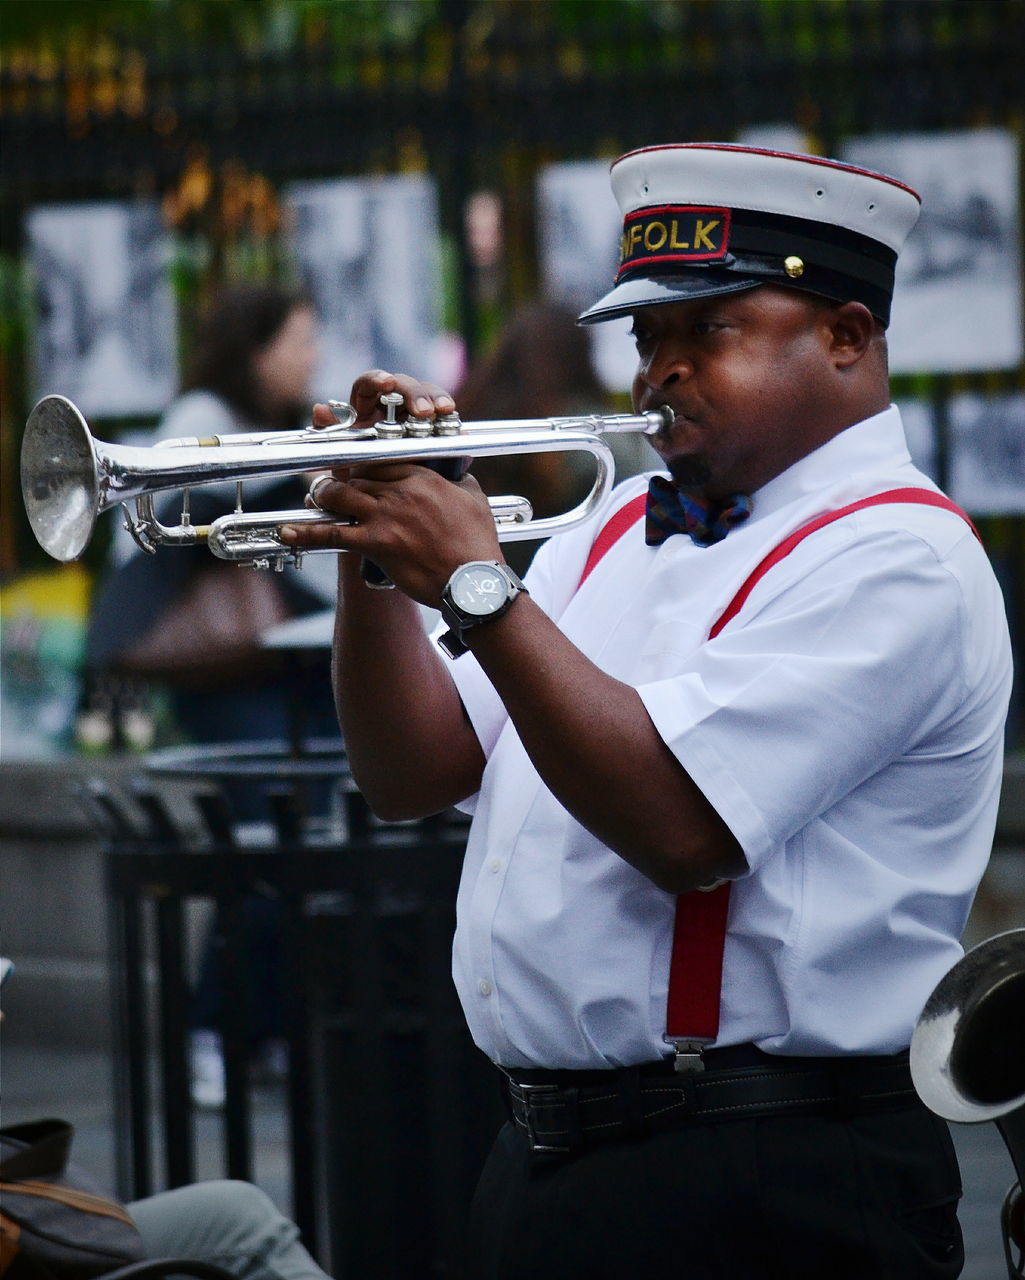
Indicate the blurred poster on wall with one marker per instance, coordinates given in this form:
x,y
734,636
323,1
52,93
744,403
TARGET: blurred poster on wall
x,y
987,457
958,302
105,332
368,252
579,228
920,432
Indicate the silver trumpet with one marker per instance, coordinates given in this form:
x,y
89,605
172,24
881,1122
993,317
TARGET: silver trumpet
x,y
968,1060
69,478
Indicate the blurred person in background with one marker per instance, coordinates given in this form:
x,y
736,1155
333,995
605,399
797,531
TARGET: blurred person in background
x,y
230,1223
223,1221
542,366
253,357
191,625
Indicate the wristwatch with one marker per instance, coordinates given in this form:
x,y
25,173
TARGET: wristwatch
x,y
479,591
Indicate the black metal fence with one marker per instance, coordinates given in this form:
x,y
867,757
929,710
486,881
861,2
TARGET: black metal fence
x,y
304,88
480,91
212,107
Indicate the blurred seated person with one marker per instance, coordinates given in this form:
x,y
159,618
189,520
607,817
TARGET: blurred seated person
x,y
192,625
229,1223
232,1224
542,366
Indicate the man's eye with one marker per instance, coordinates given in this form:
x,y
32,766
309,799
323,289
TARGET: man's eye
x,y
704,327
639,335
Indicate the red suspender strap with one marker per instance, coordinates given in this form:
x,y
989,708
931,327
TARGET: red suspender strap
x,y
923,497
613,529
699,933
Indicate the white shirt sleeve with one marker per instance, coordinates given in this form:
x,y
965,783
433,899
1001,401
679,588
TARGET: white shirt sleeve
x,y
845,659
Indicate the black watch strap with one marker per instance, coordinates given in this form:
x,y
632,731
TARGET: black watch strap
x,y
451,642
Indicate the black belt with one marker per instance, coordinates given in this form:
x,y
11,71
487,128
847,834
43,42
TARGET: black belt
x,y
559,1111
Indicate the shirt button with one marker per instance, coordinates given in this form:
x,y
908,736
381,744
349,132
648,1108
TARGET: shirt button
x,y
495,866
484,987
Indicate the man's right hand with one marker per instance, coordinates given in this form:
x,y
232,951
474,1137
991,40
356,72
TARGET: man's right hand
x,y
417,526
421,399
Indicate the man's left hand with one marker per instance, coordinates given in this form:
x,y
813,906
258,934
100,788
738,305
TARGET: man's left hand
x,y
415,525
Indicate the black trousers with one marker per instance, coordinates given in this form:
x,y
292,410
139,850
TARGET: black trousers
x,y
871,1197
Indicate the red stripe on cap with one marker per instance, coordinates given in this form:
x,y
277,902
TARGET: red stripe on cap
x,y
779,155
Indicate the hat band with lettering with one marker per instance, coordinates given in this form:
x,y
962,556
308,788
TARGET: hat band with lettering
x,y
701,219
686,252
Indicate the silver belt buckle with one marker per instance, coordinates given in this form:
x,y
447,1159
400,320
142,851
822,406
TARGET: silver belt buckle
x,y
539,1143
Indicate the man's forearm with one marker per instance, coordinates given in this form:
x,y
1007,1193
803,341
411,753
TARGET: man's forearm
x,y
410,746
592,741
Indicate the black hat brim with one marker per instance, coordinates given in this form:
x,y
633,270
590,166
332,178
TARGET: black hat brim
x,y
650,291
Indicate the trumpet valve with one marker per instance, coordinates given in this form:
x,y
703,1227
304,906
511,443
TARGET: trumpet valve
x,y
449,424
390,428
413,428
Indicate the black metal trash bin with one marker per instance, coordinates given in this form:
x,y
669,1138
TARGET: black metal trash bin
x,y
391,1108
409,1106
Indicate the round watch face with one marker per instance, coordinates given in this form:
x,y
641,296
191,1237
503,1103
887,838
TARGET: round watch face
x,y
479,590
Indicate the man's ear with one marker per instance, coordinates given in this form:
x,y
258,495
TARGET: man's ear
x,y
853,329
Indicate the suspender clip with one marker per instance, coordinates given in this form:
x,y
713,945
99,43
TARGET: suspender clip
x,y
688,1059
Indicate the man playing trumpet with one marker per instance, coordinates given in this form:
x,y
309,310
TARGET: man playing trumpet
x,y
733,755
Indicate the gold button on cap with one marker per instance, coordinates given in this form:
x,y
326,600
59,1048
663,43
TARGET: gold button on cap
x,y
793,266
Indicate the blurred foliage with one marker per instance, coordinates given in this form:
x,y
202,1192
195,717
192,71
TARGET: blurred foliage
x,y
265,24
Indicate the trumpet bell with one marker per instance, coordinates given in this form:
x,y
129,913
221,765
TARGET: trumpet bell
x,y
59,478
968,1048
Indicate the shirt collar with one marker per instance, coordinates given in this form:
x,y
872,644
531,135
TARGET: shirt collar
x,y
874,443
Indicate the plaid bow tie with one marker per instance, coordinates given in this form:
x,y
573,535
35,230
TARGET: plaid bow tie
x,y
669,511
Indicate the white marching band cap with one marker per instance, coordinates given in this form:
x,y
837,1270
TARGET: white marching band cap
x,y
701,219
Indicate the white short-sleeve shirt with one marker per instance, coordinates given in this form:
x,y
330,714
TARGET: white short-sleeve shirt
x,y
847,725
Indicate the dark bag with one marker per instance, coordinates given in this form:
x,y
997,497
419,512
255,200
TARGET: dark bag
x,y
210,635
54,1223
